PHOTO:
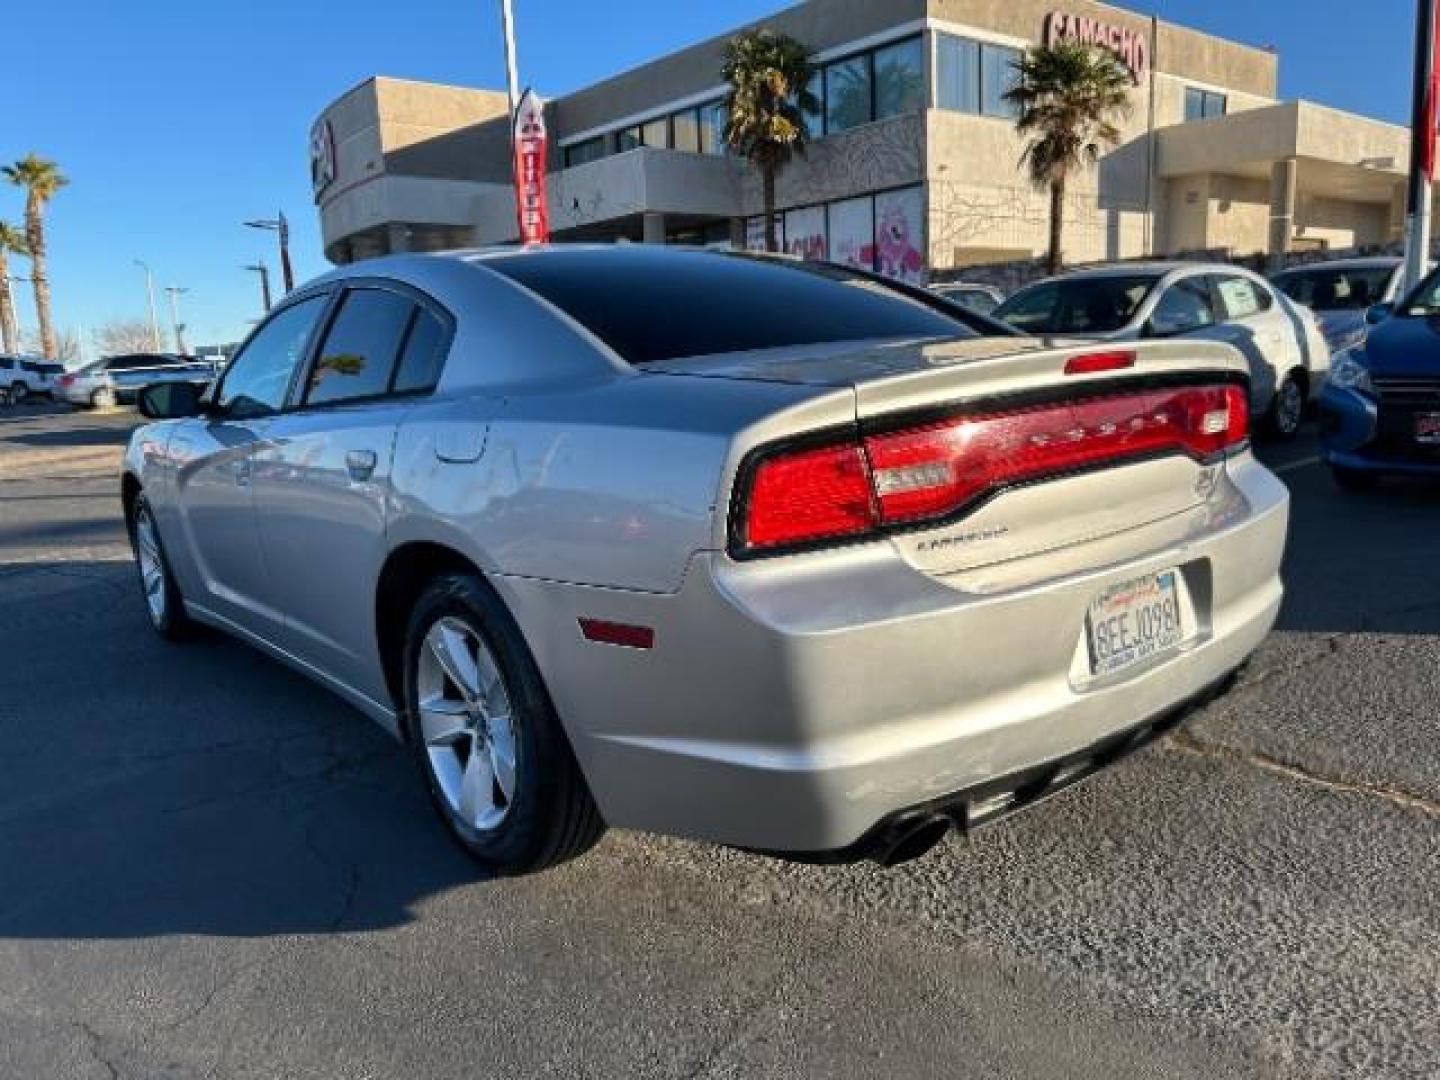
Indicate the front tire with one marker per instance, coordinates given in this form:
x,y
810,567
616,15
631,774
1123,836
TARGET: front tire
x,y
163,602
18,392
1287,409
485,736
103,399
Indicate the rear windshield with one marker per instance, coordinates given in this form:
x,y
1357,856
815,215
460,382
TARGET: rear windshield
x,y
650,303
1097,305
1336,289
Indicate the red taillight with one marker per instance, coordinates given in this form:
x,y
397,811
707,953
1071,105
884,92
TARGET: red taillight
x,y
65,380
936,470
804,495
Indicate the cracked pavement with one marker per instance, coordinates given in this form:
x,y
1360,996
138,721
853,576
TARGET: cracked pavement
x,y
213,868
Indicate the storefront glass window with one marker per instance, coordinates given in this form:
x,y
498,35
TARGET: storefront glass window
x,y
852,232
712,128
686,131
589,150
847,94
900,234
899,79
805,233
998,74
958,74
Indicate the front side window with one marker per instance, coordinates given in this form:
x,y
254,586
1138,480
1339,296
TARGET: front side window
x,y
360,351
1183,307
847,94
899,79
258,379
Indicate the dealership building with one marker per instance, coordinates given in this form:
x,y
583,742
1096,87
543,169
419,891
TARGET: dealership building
x,y
914,164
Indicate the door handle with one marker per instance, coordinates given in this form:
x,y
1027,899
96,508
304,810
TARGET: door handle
x,y
360,464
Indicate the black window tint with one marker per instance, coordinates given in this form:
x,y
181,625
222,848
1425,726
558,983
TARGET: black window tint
x,y
421,360
656,304
1078,305
258,379
6,364
358,355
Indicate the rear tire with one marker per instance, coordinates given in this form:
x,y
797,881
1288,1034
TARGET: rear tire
x,y
1354,480
163,602
1287,408
104,398
484,734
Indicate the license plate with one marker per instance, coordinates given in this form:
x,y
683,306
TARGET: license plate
x,y
1133,622
1427,428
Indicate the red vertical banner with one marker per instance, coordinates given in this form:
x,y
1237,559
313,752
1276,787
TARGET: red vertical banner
x,y
531,142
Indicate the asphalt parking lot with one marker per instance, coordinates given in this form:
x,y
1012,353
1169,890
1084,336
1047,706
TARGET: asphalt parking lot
x,y
212,867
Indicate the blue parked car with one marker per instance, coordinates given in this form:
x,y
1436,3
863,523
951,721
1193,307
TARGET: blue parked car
x,y
1380,409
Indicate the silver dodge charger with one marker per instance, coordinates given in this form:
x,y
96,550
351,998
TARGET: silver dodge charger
x,y
772,554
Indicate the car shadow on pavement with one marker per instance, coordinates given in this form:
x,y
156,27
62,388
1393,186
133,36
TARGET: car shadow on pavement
x,y
1362,562
196,789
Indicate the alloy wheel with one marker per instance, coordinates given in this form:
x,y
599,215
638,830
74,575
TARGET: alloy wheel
x,y
467,723
152,566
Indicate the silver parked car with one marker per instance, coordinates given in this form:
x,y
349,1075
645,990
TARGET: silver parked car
x,y
1287,354
767,553
1341,291
115,380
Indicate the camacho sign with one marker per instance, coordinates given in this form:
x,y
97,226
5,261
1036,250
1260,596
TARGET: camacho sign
x,y
1130,47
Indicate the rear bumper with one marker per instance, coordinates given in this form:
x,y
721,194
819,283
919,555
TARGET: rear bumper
x,y
797,704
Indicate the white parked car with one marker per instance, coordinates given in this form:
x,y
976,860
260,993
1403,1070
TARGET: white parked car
x,y
27,376
1281,341
982,298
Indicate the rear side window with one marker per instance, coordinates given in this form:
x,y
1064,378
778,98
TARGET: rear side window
x,y
421,358
1241,296
652,303
358,355
1329,289
1184,306
1076,305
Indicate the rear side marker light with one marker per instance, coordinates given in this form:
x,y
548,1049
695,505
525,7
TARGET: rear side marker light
x,y
626,635
1094,363
858,487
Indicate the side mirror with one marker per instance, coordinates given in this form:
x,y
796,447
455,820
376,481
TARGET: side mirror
x,y
1378,313
170,400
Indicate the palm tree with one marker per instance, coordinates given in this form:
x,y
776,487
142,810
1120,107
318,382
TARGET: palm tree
x,y
769,78
12,242
1069,97
41,179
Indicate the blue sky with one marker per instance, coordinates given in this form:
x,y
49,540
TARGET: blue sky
x,y
177,121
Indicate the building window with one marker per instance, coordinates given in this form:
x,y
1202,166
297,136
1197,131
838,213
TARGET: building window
x,y
653,133
848,94
628,139
1203,104
712,128
685,131
899,79
582,152
972,77
883,232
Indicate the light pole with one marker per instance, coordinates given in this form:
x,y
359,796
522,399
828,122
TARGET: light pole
x,y
15,309
264,272
173,292
150,295
1422,147
281,227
